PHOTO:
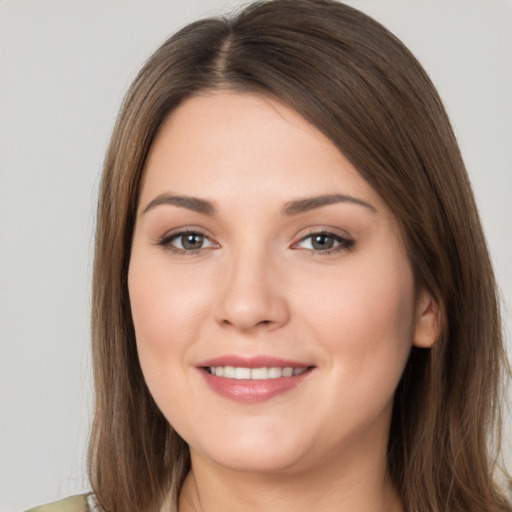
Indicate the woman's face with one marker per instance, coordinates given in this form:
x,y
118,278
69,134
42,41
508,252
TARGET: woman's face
x,y
273,302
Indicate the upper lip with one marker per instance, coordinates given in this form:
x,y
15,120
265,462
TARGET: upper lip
x,y
260,361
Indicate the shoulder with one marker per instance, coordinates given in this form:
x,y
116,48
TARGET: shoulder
x,y
78,503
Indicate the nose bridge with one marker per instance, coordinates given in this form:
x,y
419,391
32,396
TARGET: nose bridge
x,y
251,296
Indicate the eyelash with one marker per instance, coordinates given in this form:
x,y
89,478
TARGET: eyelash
x,y
343,243
167,240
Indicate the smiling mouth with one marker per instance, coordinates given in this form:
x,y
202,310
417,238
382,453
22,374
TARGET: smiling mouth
x,y
264,373
252,380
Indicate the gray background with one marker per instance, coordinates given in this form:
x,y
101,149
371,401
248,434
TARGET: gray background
x,y
64,66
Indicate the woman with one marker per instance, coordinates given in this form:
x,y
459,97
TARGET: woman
x,y
294,306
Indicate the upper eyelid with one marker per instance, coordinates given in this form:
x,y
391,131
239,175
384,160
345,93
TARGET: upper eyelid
x,y
184,230
323,230
345,241
326,234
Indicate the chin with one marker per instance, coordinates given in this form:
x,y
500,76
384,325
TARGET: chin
x,y
266,462
259,452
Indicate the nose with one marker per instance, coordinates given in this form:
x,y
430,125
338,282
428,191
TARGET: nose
x,y
252,296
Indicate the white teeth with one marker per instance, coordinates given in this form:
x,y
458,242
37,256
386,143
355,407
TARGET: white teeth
x,y
242,373
259,373
275,373
228,371
287,372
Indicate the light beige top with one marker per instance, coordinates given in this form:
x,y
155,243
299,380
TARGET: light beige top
x,y
78,503
82,503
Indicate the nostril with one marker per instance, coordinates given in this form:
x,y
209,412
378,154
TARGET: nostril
x,y
262,323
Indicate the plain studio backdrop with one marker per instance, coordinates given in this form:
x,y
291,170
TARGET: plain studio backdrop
x,y
64,67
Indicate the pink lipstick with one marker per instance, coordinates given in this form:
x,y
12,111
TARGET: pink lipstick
x,y
252,379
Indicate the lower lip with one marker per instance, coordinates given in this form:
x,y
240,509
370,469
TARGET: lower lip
x,y
252,391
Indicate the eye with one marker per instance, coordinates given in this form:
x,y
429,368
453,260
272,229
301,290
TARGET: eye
x,y
186,242
325,242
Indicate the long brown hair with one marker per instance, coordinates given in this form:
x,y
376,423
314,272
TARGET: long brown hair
x,y
362,88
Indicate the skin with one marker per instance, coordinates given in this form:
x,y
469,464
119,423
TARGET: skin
x,y
258,285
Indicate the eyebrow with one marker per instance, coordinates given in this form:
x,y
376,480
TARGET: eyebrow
x,y
311,203
190,203
289,209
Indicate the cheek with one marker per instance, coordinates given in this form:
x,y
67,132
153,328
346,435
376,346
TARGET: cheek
x,y
164,301
364,318
168,310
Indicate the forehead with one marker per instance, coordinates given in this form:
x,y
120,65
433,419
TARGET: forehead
x,y
227,145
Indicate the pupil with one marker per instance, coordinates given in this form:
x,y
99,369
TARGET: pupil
x,y
323,242
192,241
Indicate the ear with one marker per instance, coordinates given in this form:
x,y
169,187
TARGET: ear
x,y
428,320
